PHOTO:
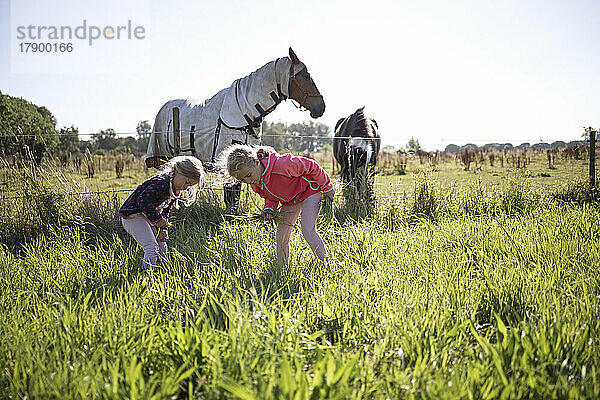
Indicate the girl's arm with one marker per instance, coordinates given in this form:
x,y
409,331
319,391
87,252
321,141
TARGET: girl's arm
x,y
302,166
157,189
167,210
270,204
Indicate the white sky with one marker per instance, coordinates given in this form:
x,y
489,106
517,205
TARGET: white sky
x,y
442,72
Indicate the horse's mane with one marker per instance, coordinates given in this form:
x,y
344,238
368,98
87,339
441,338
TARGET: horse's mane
x,y
358,124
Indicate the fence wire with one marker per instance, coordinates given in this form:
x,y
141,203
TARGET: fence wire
x,y
97,192
318,137
130,134
212,188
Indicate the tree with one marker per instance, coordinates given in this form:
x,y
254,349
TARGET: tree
x,y
274,135
104,140
143,129
26,130
413,144
311,136
103,135
69,140
299,138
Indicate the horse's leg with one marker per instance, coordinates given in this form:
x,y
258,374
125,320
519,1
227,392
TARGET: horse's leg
x,y
344,172
233,191
232,194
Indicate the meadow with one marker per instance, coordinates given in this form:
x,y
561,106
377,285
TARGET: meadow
x,y
475,284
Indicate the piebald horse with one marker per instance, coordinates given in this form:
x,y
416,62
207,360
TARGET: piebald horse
x,y
356,143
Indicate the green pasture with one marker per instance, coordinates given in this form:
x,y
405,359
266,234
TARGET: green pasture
x,y
449,173
456,284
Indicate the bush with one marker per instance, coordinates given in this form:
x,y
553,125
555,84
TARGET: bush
x,y
476,201
359,197
38,207
516,196
426,199
579,192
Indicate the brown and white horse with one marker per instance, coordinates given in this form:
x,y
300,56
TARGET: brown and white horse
x,y
233,115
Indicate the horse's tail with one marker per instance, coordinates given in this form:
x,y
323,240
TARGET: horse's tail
x,y
156,153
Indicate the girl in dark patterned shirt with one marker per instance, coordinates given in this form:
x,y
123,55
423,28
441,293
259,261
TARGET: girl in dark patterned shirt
x,y
145,212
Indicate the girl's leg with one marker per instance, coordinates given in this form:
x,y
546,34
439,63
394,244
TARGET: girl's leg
x,y
310,212
288,216
138,227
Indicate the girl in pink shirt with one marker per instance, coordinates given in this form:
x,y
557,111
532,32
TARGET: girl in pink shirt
x,y
298,183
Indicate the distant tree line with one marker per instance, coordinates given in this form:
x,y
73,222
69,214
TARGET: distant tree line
x,y
28,132
452,148
302,137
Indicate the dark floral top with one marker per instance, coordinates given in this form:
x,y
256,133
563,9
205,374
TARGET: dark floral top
x,y
149,198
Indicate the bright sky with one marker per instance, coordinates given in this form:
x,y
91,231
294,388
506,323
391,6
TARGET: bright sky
x,y
442,72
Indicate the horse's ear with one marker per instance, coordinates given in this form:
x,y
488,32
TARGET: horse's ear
x,y
293,56
338,123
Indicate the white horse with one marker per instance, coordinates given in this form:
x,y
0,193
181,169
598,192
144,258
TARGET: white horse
x,y
233,115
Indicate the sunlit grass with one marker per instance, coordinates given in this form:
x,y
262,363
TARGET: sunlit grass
x,y
489,291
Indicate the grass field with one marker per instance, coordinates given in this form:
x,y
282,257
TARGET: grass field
x,y
458,285
447,174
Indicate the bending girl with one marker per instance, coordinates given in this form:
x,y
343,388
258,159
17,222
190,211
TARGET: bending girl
x,y
145,212
298,183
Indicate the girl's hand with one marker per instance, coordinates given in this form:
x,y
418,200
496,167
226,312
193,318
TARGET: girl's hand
x,y
163,235
330,194
267,215
162,223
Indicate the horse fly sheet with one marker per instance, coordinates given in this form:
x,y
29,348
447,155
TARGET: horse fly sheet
x,y
233,115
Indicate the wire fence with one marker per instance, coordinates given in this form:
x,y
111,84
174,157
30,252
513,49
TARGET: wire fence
x,y
99,192
129,134
293,136
3,196
113,191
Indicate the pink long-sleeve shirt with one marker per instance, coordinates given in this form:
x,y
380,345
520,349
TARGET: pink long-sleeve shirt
x,y
289,179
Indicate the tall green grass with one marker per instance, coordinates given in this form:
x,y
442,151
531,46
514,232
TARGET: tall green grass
x,y
479,307
491,293
42,201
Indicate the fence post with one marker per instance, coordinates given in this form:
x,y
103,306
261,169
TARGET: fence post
x,y
592,133
176,131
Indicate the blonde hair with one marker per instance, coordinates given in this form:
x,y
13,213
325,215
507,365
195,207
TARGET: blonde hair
x,y
191,168
238,156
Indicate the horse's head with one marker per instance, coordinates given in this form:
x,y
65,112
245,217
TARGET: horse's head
x,y
303,89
